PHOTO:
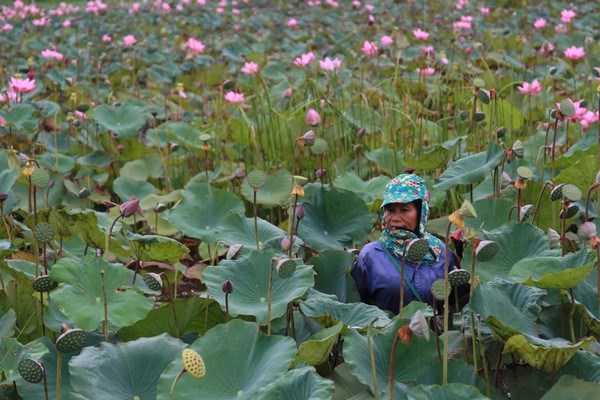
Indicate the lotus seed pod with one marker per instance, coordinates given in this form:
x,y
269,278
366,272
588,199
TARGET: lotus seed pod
x,y
43,232
553,238
309,138
40,177
524,172
153,281
486,250
193,363
458,277
571,211
567,108
44,284
160,208
525,212
505,180
227,287
299,180
479,116
478,83
467,210
501,132
30,370
204,137
285,267
256,179
463,115
234,251
586,230
556,193
320,146
174,147
416,250
71,340
438,289
418,325
571,192
518,148
484,96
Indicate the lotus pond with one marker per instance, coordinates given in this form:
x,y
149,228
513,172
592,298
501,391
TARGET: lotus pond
x,y
185,184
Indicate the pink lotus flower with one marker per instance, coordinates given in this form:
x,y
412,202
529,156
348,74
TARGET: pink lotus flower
x,y
428,50
371,19
574,53
287,92
539,23
130,207
292,23
52,54
369,7
369,48
426,71
304,59
234,97
386,40
547,48
312,117
588,118
531,89
421,35
106,38
194,46
561,28
2,122
484,10
567,15
330,65
22,85
462,25
67,23
250,68
129,40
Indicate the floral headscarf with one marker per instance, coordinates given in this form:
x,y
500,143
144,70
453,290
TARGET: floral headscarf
x,y
406,188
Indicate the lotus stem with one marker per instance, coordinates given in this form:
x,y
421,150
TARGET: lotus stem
x,y
4,221
563,227
108,234
227,306
598,273
437,331
446,296
291,221
593,187
483,358
472,315
42,312
105,301
172,391
255,220
372,357
175,319
539,199
45,381
58,374
554,146
392,368
571,315
269,300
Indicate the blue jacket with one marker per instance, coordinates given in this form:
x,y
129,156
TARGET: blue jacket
x,y
378,279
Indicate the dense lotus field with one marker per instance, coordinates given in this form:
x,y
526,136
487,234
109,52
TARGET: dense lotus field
x,y
185,185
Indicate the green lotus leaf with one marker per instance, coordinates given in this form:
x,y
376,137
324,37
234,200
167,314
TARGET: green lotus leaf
x,y
80,296
239,361
275,192
6,248
451,391
553,272
57,162
250,278
332,268
581,174
491,213
586,146
8,323
505,108
123,370
125,187
316,350
98,159
569,387
27,268
17,295
411,360
355,315
458,372
298,384
11,352
334,219
156,248
366,190
583,365
513,248
510,308
21,117
7,178
202,216
124,120
470,169
589,319
140,170
237,229
547,355
191,313
390,161
432,159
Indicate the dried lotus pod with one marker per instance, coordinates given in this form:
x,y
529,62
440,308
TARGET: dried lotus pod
x,y
419,326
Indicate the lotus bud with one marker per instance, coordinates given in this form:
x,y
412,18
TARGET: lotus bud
x,y
109,204
501,132
233,251
130,207
3,196
312,117
586,230
594,242
239,173
309,138
361,132
418,325
300,212
553,238
227,287
320,173
285,243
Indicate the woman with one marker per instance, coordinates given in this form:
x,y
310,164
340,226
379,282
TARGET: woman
x,y
377,270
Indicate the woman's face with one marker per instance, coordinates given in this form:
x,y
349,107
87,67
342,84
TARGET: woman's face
x,y
401,215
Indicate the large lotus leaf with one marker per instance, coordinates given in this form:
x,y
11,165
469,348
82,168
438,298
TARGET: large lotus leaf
x,y
332,268
553,272
334,219
149,166
6,248
581,174
347,386
35,391
458,372
80,296
8,323
21,117
7,179
298,384
250,278
125,187
57,162
275,192
156,248
237,229
124,370
432,159
411,360
451,391
513,247
470,169
239,362
586,146
583,365
570,388
508,308
124,120
547,355
27,268
491,213
366,190
316,350
18,296
355,315
507,114
589,319
202,216
11,352
191,315
178,131
390,161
